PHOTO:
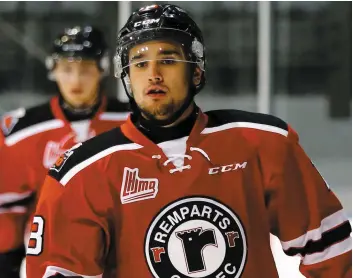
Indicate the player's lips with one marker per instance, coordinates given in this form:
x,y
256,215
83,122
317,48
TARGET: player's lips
x,y
76,91
156,90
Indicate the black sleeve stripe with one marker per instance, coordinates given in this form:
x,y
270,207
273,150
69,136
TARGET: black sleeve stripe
x,y
32,130
34,115
86,150
328,239
221,117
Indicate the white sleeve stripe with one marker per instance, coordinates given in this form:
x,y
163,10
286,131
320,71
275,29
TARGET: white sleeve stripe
x,y
32,130
264,127
114,116
52,270
327,224
15,209
11,197
72,172
330,252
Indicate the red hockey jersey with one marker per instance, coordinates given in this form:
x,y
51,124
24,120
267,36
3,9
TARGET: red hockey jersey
x,y
33,139
197,206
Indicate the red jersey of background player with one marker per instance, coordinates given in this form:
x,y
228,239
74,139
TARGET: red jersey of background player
x,y
38,136
33,139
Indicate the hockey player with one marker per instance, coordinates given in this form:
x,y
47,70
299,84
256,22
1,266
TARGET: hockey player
x,y
176,192
34,138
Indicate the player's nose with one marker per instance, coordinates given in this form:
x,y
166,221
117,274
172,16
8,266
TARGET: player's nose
x,y
154,74
75,78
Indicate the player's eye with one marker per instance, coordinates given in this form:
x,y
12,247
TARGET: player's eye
x,y
141,64
168,61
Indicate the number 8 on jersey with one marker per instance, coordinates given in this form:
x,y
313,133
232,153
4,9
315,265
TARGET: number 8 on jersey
x,y
35,244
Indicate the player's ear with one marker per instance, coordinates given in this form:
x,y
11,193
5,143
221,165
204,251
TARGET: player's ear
x,y
196,79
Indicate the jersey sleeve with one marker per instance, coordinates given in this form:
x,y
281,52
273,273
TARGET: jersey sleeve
x,y
70,233
16,197
306,215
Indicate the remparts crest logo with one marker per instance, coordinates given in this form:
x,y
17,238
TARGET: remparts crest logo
x,y
196,237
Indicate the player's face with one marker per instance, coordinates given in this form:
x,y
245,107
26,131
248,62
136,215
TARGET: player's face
x,y
160,86
78,81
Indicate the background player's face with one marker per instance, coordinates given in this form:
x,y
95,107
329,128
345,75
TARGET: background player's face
x,y
78,81
159,86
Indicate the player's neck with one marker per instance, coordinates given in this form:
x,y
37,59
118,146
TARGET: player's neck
x,y
77,114
184,116
181,128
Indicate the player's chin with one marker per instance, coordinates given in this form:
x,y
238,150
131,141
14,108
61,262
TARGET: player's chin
x,y
82,102
159,113
160,117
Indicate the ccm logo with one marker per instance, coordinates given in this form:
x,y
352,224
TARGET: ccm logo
x,y
146,22
226,168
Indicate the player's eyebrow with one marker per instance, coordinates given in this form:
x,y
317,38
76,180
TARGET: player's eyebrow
x,y
169,52
164,52
136,57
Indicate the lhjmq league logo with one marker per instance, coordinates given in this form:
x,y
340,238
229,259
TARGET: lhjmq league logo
x,y
196,237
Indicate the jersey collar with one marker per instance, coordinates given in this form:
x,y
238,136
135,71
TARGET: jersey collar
x,y
134,134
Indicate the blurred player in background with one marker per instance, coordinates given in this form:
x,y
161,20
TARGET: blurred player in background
x,y
34,138
176,192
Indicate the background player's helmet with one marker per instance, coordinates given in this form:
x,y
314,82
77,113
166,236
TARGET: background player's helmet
x,y
79,43
166,22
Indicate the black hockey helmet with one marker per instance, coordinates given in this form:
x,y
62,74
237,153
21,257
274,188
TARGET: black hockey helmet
x,y
167,22
80,43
